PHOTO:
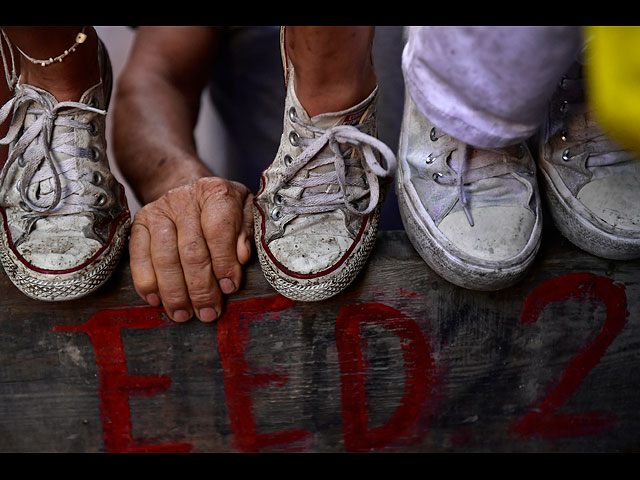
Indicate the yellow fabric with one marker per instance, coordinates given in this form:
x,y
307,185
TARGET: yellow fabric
x,y
613,81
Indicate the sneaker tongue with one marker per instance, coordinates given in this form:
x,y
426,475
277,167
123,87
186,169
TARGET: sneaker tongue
x,y
350,116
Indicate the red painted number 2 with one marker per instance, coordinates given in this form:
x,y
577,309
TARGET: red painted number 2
x,y
543,418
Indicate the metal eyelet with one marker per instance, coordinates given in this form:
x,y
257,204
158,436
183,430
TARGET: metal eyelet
x,y
293,117
565,155
101,200
93,129
563,135
429,160
277,199
432,134
21,162
293,138
276,214
95,154
97,178
435,176
564,107
287,160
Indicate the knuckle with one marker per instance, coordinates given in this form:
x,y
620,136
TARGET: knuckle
x,y
194,254
201,296
144,284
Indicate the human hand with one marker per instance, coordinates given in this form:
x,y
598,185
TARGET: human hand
x,y
187,248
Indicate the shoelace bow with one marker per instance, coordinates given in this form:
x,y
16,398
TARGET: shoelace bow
x,y
504,163
34,159
344,174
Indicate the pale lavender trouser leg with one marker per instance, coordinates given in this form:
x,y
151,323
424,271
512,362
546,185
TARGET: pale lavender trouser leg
x,y
487,86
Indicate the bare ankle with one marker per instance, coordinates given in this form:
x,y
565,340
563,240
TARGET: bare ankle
x,y
333,70
69,78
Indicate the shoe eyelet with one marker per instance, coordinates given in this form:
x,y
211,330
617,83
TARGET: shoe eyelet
x,y
21,162
293,138
566,155
564,107
95,154
276,214
101,199
97,178
432,134
563,135
293,117
429,160
436,176
277,199
288,159
93,129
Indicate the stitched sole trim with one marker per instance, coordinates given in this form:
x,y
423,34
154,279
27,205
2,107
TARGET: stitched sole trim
x,y
51,287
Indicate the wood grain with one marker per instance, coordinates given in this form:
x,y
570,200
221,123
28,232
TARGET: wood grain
x,y
400,361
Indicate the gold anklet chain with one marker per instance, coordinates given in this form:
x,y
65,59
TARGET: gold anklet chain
x,y
80,38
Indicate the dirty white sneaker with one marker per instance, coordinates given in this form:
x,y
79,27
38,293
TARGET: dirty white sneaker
x,y
317,211
473,215
64,216
592,183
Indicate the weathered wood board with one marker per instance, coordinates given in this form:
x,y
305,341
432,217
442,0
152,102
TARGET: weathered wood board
x,y
402,361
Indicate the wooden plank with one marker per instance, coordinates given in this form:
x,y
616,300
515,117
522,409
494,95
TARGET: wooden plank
x,y
400,361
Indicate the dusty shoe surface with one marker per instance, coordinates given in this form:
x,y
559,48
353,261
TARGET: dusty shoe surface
x,y
64,215
592,183
473,215
317,211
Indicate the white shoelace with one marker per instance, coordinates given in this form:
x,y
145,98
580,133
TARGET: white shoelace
x,y
502,163
345,174
37,161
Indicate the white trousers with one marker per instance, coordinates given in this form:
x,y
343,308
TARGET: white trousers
x,y
487,86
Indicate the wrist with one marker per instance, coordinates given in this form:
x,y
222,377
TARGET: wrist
x,y
168,175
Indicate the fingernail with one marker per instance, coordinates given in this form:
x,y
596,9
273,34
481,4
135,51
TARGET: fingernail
x,y
153,300
208,314
227,285
181,316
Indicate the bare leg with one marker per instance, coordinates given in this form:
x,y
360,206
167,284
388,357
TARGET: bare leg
x,y
333,69
66,80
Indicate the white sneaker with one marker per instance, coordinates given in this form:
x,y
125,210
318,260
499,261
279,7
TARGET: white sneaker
x,y
592,183
65,217
317,211
473,215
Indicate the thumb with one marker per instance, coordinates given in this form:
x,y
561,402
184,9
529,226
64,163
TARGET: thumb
x,y
245,236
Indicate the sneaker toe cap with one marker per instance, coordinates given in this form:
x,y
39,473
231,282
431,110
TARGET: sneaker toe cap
x,y
311,253
614,200
499,233
58,253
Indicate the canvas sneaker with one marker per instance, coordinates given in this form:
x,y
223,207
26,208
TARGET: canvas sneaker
x,y
592,183
64,216
317,211
472,214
